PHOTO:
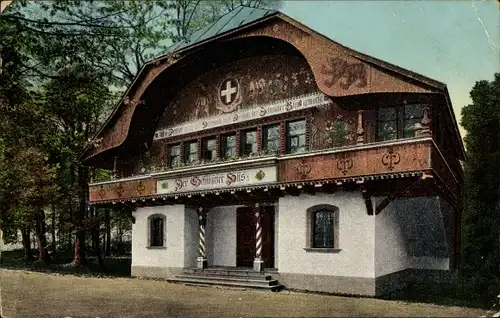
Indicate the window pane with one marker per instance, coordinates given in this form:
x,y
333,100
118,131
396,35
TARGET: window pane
x,y
387,130
209,149
385,114
413,111
228,148
323,229
249,142
271,138
175,155
156,232
296,136
191,152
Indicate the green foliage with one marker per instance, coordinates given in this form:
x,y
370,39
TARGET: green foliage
x,y
481,218
337,131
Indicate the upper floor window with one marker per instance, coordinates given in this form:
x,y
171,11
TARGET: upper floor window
x,y
387,123
209,149
156,231
398,122
174,156
411,121
248,142
191,152
271,138
228,146
296,136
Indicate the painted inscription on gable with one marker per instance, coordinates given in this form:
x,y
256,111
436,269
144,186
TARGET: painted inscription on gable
x,y
240,85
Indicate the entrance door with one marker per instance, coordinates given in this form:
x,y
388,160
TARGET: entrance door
x,y
245,238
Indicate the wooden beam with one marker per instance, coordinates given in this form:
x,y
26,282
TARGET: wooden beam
x,y
384,203
368,200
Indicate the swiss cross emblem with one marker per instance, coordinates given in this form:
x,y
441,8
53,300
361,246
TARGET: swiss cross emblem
x,y
228,91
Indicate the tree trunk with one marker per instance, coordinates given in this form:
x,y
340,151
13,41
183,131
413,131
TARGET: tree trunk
x,y
28,253
53,230
107,236
95,240
79,251
43,256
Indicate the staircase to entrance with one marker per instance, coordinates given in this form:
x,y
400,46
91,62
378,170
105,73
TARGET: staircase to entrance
x,y
228,277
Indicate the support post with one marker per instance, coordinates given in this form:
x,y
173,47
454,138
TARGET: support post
x,y
360,131
258,263
202,221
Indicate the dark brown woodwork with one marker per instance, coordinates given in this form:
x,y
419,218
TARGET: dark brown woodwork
x,y
268,235
372,161
245,237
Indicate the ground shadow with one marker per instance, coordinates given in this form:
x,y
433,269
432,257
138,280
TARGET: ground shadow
x,y
114,266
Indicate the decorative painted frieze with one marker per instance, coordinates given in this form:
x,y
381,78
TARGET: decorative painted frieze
x,y
257,112
364,161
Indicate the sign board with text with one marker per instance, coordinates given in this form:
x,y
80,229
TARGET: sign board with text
x,y
219,180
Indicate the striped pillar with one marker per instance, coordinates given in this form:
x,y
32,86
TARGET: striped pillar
x,y
258,263
202,221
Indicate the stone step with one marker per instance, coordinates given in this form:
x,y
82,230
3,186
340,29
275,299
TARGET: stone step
x,y
231,279
224,271
230,275
200,281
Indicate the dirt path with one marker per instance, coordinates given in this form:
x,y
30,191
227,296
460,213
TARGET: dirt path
x,y
28,294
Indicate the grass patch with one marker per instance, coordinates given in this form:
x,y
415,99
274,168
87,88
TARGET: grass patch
x,y
114,266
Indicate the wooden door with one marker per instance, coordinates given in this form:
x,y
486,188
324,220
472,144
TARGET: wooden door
x,y
268,236
245,237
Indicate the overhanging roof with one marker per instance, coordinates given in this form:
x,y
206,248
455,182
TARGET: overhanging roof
x,y
243,17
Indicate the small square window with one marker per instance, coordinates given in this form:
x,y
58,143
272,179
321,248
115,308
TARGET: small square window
x,y
228,146
271,139
248,142
174,157
191,152
209,149
296,136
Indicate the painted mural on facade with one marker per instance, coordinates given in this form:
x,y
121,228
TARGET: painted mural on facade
x,y
242,84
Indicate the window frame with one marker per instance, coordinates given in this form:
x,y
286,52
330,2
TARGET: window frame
x,y
264,138
169,159
204,148
243,143
187,152
163,231
310,219
401,120
288,137
223,145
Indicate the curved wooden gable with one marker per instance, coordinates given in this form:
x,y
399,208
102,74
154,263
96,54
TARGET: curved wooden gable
x,y
338,71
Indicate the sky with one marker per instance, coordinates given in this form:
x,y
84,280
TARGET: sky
x,y
454,42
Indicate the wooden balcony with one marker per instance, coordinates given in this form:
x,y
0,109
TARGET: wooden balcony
x,y
397,159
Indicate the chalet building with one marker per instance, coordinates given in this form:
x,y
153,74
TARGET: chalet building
x,y
261,149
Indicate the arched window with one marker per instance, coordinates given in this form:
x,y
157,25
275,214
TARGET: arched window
x,y
323,228
156,231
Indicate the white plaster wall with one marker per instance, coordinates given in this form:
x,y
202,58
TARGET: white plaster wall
x,y
356,237
409,233
173,253
191,238
221,236
390,250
